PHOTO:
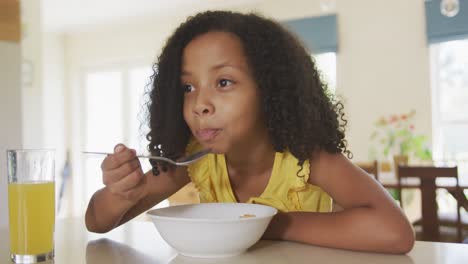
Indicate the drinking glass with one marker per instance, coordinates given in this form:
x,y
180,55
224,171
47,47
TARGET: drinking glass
x,y
31,203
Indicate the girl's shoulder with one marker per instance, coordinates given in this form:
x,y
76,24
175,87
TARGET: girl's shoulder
x,y
324,163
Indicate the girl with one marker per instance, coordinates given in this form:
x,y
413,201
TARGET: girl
x,y
242,86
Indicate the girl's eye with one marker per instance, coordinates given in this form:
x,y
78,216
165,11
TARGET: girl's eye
x,y
224,83
187,88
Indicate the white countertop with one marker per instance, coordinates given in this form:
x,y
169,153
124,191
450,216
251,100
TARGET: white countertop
x,y
139,242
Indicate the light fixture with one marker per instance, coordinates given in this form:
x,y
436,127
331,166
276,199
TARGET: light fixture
x,y
449,8
328,5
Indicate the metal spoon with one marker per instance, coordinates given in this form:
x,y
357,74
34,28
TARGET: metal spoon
x,y
184,161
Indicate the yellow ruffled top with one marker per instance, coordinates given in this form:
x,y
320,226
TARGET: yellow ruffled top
x,y
286,191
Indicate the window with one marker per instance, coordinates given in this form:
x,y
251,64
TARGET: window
x,y
139,80
114,111
103,121
449,65
326,64
450,100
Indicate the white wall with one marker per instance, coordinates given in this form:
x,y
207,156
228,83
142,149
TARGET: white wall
x,y
382,68
43,98
383,65
31,52
106,47
10,114
53,102
383,61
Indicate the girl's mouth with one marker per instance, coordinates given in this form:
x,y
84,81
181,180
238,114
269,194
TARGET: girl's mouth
x,y
207,134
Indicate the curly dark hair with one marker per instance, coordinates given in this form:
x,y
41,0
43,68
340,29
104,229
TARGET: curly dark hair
x,y
301,116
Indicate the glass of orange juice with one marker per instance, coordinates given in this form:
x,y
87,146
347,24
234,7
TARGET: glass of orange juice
x,y
31,203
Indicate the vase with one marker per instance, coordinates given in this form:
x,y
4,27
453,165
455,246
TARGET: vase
x,y
400,160
385,166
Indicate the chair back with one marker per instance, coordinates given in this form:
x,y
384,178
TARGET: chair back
x,y
427,172
427,176
370,167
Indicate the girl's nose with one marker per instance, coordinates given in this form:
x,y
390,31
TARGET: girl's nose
x,y
203,105
203,110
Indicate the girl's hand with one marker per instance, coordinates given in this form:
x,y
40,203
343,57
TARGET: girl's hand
x,y
277,227
122,174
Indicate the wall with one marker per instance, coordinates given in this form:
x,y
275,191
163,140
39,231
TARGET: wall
x,y
31,113
53,102
10,99
32,90
87,50
383,65
43,95
383,61
10,114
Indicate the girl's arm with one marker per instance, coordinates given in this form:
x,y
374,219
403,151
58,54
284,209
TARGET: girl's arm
x,y
370,221
129,192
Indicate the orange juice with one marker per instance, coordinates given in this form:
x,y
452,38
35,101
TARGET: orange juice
x,y
32,217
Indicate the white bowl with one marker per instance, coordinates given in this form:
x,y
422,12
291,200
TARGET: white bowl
x,y
211,230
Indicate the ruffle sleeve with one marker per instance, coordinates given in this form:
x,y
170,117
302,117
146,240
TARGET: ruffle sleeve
x,y
307,197
199,173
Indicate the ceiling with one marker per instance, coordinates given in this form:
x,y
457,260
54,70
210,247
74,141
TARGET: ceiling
x,y
69,15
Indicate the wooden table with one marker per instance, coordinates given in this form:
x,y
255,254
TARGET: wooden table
x,y
139,242
428,187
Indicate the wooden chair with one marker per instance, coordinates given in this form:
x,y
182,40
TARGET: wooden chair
x,y
371,168
430,219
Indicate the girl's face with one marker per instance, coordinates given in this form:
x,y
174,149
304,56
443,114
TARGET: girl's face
x,y
221,101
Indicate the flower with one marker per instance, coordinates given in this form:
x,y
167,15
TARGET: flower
x,y
396,135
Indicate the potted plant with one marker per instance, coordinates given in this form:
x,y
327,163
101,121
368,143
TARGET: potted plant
x,y
395,136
